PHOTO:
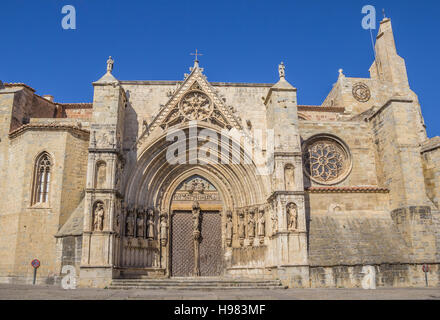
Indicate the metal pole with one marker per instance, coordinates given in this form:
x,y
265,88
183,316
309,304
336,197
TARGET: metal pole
x,y
426,278
35,276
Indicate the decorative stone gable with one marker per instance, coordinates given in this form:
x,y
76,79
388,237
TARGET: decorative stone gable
x,y
195,100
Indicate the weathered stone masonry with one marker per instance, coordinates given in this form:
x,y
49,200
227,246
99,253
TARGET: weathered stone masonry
x,y
355,182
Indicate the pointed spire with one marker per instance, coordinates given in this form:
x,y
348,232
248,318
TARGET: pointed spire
x,y
388,65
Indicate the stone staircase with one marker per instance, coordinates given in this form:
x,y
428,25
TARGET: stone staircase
x,y
199,283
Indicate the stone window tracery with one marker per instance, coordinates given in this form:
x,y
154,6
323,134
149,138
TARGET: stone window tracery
x,y
326,160
42,179
196,105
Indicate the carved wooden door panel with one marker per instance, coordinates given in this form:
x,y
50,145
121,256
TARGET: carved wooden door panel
x,y
211,244
182,244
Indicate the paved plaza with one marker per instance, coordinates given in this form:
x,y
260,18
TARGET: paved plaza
x,y
29,292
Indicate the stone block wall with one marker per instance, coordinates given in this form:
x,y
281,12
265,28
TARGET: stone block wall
x,y
431,170
359,141
31,229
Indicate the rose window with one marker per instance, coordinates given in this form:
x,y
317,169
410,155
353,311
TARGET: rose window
x,y
196,105
326,160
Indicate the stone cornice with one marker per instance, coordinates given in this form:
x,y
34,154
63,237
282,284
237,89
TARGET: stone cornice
x,y
285,193
321,109
19,85
104,191
353,189
47,127
214,84
431,145
386,104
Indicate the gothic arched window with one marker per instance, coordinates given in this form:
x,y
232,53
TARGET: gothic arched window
x,y
42,179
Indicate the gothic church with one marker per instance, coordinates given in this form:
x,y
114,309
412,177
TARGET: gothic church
x,y
353,182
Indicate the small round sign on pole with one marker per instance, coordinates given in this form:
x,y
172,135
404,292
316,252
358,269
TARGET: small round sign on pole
x,y
35,264
425,269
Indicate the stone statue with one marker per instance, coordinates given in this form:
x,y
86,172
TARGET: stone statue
x,y
281,70
140,225
292,215
251,224
261,223
241,227
150,224
228,228
98,221
163,229
110,63
196,215
130,224
274,219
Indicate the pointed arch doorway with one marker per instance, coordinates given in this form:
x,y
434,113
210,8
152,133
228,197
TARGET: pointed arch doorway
x,y
196,229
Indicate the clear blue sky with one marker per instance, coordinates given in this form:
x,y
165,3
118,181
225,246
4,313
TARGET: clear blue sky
x,y
242,41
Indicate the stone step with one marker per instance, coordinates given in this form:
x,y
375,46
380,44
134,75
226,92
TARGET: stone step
x,y
192,281
195,283
194,287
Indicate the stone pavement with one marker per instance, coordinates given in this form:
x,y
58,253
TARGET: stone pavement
x,y
28,292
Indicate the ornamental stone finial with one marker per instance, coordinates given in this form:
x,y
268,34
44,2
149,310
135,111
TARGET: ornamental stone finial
x,y
110,63
341,73
281,70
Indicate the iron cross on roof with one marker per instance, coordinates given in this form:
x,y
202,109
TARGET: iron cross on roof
x,y
196,54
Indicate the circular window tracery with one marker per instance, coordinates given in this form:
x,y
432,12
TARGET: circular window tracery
x,y
361,92
196,105
326,159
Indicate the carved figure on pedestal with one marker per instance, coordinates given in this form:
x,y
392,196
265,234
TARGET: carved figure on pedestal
x,y
292,216
261,224
150,224
251,224
98,220
196,218
140,225
241,227
163,229
228,228
281,70
274,219
130,224
110,63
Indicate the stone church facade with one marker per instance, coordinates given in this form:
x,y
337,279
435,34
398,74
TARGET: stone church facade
x,y
101,186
